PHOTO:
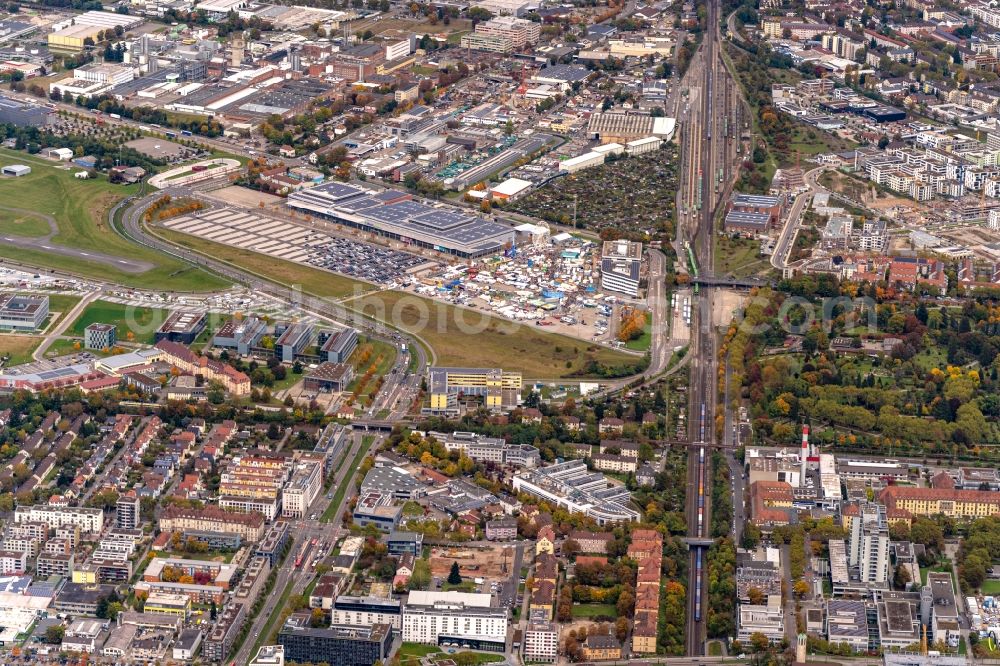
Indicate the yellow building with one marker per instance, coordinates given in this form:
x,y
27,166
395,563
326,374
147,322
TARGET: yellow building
x,y
74,37
500,390
85,575
167,603
546,542
601,647
961,504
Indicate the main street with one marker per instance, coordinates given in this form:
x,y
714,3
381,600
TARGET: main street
x,y
304,531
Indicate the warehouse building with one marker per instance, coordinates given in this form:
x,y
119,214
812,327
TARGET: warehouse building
x,y
16,170
402,217
23,114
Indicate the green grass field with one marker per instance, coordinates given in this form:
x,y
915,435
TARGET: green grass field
x,y
590,611
21,224
80,209
486,341
142,322
19,347
642,342
410,653
990,587
467,338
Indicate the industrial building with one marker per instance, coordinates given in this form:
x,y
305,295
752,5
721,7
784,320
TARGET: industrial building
x,y
572,486
23,114
402,217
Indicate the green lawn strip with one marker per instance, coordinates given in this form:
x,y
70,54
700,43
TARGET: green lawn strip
x,y
275,615
331,510
642,342
594,610
141,321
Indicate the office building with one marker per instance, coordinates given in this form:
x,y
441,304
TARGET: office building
x,y
621,265
767,619
23,313
243,335
847,622
340,345
459,618
293,341
269,655
181,327
494,450
99,336
344,646
377,509
395,482
499,390
168,604
518,32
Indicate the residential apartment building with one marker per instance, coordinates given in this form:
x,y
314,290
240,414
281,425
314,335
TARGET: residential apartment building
x,y
541,642
90,521
250,526
868,546
302,489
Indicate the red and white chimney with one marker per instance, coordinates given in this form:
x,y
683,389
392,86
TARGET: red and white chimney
x,y
804,455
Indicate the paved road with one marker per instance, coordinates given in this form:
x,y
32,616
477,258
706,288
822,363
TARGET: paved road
x,y
788,232
64,323
302,532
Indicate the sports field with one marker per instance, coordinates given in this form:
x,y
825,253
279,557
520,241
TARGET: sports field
x,y
82,241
